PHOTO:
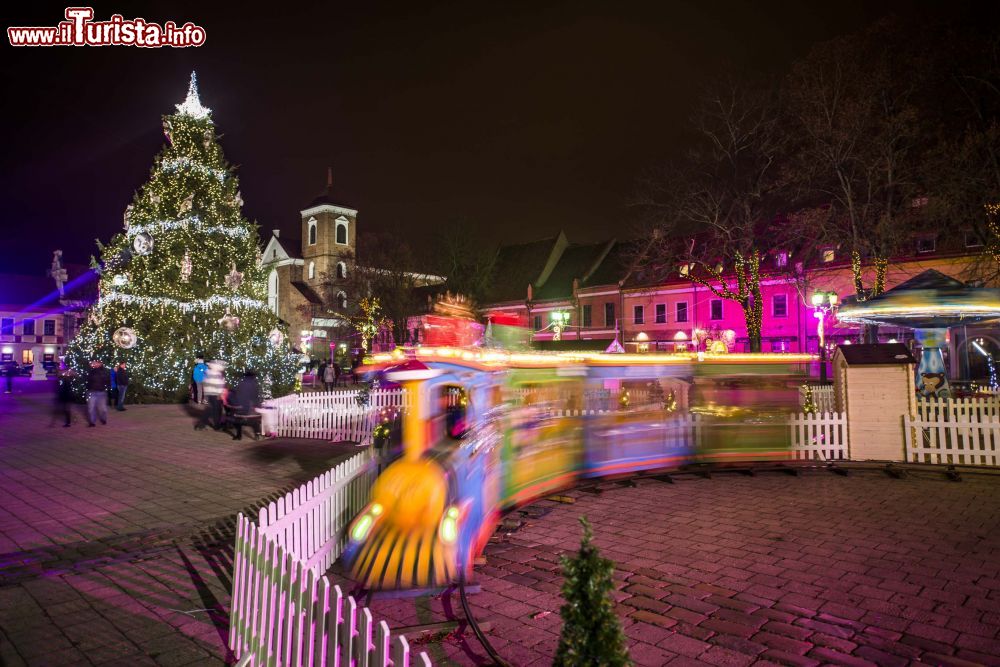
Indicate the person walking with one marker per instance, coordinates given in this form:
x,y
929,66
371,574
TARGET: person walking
x,y
213,384
121,377
329,375
9,369
98,383
198,376
64,394
244,401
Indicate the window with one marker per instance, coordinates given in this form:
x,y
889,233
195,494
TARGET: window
x,y
609,314
342,300
586,315
7,326
49,328
972,240
312,233
780,346
341,270
661,313
274,254
829,255
715,309
638,314
342,233
781,260
779,305
926,244
28,327
682,311
538,322
312,270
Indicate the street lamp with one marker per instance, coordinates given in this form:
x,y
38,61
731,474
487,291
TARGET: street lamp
x,y
559,320
823,302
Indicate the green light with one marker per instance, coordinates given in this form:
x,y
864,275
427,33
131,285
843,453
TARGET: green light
x,y
449,525
361,528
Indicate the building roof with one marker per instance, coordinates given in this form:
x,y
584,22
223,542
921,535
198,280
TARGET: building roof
x,y
520,265
577,262
325,197
876,355
308,292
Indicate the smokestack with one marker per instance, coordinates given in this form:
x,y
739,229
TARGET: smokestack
x,y
329,177
276,232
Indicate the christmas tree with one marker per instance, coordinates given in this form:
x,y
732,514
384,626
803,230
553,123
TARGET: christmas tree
x,y
591,634
184,278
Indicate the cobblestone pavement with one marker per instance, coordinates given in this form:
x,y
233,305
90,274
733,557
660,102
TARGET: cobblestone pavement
x,y
116,541
772,569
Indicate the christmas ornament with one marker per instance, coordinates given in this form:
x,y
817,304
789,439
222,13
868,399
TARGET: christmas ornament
x,y
239,199
95,318
207,141
143,243
125,338
234,279
128,214
167,132
186,266
276,337
154,199
260,258
120,280
229,322
187,203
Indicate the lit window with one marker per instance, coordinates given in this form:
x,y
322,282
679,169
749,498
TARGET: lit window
x,y
926,244
781,260
716,309
661,313
685,269
829,255
779,305
918,202
638,314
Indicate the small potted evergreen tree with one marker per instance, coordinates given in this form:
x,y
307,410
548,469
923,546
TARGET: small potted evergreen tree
x,y
591,633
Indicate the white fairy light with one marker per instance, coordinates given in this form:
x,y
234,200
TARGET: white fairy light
x,y
211,302
190,221
183,162
191,106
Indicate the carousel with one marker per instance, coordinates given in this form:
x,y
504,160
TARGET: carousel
x,y
931,304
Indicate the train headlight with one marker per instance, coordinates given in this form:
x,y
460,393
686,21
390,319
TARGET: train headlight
x,y
449,525
365,522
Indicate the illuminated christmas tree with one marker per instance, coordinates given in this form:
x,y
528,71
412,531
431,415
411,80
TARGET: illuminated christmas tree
x,y
184,278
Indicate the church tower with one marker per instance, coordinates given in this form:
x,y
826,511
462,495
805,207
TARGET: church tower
x,y
329,240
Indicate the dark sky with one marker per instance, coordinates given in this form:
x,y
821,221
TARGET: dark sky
x,y
518,118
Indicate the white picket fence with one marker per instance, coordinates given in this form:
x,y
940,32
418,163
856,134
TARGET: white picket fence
x,y
823,397
958,409
331,415
284,611
821,436
973,441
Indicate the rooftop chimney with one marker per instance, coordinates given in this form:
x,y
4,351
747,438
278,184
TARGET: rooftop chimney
x,y
276,232
329,177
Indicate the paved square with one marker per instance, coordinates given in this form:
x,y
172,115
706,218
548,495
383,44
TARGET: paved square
x,y
116,541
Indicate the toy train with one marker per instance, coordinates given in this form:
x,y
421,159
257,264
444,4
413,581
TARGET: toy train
x,y
486,432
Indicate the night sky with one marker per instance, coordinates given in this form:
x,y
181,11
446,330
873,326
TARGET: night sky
x,y
518,118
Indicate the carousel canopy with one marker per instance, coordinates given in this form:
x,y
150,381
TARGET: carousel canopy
x,y
930,300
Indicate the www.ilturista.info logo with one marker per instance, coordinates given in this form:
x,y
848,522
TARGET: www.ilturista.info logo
x,y
79,29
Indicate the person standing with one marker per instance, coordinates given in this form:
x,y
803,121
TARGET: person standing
x,y
244,400
98,383
121,377
64,393
329,375
198,375
9,369
214,384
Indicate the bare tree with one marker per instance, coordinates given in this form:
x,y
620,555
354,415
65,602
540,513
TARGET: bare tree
x,y
468,264
710,213
852,113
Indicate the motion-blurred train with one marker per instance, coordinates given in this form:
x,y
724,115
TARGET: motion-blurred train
x,y
484,432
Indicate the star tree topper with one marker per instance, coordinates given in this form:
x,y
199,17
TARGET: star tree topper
x,y
191,106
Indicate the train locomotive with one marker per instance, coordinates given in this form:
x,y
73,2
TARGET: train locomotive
x,y
486,432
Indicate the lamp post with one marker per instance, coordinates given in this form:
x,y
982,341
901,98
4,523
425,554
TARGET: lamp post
x,y
823,302
559,320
